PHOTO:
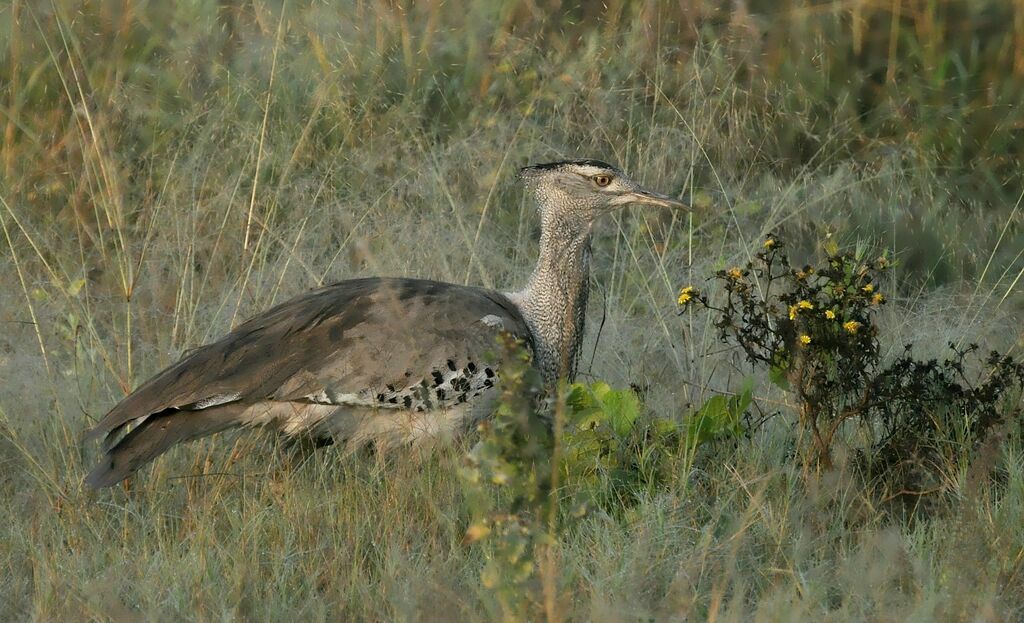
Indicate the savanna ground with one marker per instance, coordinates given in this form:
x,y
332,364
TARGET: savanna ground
x,y
169,169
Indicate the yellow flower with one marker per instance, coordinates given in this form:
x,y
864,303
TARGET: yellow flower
x,y
851,326
795,309
735,273
805,339
868,289
769,244
831,315
686,295
877,298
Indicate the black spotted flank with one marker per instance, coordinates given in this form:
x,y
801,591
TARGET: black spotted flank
x,y
489,373
438,377
452,366
407,401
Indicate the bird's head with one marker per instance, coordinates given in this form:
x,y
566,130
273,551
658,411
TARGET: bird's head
x,y
580,191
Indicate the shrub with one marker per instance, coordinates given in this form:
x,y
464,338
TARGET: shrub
x,y
814,329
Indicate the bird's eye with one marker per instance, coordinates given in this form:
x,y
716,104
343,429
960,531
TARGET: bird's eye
x,y
602,180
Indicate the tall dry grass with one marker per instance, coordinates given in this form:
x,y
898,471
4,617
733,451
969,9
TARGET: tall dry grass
x,y
169,169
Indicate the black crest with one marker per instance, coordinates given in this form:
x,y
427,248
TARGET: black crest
x,y
549,166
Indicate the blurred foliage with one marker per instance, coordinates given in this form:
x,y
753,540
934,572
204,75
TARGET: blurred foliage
x,y
122,119
816,83
509,476
525,485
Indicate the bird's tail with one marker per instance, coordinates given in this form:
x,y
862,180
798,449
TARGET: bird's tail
x,y
155,435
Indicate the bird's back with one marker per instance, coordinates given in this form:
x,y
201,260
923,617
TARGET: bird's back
x,y
353,360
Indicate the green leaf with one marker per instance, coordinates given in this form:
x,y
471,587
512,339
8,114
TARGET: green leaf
x,y
600,389
599,405
664,427
720,416
703,424
623,408
581,398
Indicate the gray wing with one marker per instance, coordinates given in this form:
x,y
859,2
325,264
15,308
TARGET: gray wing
x,y
364,339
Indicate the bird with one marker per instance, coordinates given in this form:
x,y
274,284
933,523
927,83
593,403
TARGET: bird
x,y
382,362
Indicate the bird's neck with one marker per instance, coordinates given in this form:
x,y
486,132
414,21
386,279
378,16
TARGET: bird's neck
x,y
554,301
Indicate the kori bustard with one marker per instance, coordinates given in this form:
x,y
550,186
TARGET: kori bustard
x,y
385,361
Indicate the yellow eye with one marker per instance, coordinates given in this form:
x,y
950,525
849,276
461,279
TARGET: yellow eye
x,y
602,180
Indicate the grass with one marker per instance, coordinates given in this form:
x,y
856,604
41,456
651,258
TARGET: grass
x,y
169,169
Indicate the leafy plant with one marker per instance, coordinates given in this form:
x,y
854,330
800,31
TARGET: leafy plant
x,y
597,439
522,492
811,326
814,329
720,417
508,476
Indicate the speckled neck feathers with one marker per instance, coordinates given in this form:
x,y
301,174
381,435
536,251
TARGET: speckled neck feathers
x,y
554,301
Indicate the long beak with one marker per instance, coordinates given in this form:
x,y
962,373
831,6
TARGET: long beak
x,y
651,198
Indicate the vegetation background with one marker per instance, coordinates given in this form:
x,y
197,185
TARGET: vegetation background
x,y
170,168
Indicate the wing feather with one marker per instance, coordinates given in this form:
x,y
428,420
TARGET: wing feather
x,y
345,338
